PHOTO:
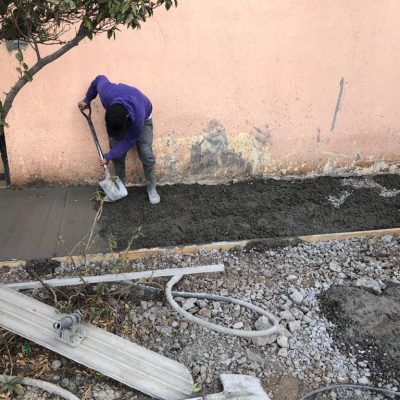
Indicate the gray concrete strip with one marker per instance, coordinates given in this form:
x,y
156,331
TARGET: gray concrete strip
x,y
32,220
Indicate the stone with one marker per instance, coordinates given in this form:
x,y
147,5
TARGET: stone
x,y
364,380
189,303
283,341
55,365
368,283
238,325
387,238
296,296
283,352
335,267
287,315
261,324
294,326
64,382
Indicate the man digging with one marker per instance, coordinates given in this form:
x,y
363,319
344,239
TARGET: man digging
x,y
129,123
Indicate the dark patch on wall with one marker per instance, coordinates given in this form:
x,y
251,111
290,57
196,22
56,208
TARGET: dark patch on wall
x,y
212,157
263,135
169,168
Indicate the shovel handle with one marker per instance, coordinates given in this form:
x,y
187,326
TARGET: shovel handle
x,y
88,117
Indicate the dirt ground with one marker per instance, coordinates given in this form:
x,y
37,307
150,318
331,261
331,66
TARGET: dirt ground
x,y
267,208
369,321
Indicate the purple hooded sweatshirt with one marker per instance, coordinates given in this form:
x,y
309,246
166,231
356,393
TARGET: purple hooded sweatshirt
x,y
136,103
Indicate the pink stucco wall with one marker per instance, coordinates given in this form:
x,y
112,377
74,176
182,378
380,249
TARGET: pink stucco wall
x,y
238,87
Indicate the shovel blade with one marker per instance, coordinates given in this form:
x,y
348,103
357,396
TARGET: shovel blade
x,y
113,187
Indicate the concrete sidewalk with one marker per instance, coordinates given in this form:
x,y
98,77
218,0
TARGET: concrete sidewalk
x,y
32,221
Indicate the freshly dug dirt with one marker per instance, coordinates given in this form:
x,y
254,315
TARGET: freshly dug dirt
x,y
369,323
268,208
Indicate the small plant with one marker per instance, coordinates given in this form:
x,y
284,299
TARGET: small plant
x,y
13,386
196,388
26,349
102,288
112,243
65,307
97,196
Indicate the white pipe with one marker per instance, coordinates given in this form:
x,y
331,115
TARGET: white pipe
x,y
46,386
214,327
128,276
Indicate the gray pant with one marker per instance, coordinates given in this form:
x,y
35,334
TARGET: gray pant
x,y
144,147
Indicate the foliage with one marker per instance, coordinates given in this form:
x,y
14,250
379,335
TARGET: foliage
x,y
47,21
13,385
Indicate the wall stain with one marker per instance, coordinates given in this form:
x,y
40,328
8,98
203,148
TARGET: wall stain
x,y
263,135
211,156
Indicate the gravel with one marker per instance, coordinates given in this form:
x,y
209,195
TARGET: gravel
x,y
306,351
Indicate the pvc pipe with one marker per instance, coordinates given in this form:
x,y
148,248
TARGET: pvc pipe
x,y
46,386
214,327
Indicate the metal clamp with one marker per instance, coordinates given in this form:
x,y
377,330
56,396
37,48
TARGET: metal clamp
x,y
69,329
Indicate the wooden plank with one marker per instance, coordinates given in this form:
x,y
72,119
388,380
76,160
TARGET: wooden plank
x,y
192,249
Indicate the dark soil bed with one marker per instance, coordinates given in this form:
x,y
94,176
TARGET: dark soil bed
x,y
268,208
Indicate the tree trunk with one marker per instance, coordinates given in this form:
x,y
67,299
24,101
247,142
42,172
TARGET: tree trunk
x,y
10,97
3,150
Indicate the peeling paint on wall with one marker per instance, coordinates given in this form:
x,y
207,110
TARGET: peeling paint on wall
x,y
212,157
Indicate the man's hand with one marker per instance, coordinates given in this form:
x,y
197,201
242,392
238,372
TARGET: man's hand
x,y
104,162
83,105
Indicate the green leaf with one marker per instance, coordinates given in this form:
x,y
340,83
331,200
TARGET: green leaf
x,y
88,23
18,69
4,123
25,66
125,7
19,56
129,19
28,76
109,34
1,106
196,388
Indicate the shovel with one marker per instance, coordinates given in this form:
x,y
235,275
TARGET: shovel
x,y
111,184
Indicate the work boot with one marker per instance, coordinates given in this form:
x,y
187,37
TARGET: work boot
x,y
150,175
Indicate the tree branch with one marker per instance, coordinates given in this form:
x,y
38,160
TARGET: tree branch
x,y
42,62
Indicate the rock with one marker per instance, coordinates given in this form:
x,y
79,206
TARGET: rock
x,y
205,312
387,238
283,341
164,330
196,370
144,305
368,283
283,352
175,346
287,316
335,267
189,303
238,325
55,365
364,380
261,324
64,382
294,326
296,296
